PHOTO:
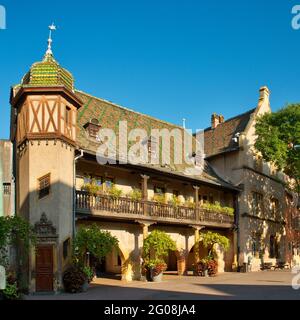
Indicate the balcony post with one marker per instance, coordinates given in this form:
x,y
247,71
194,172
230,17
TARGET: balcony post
x,y
145,179
197,202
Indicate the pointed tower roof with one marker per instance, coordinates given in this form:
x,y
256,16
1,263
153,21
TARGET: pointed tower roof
x,y
48,73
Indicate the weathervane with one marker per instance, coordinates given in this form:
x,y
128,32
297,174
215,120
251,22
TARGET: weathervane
x,y
51,28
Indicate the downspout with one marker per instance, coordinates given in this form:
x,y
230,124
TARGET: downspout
x,y
74,191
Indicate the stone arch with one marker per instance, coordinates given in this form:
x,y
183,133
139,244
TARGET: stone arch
x,y
203,252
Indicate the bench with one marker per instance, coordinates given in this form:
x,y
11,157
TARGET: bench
x,y
281,266
267,266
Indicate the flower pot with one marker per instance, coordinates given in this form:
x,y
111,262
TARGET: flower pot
x,y
205,273
157,278
85,286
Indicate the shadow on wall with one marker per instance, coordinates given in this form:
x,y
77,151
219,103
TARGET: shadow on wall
x,y
262,213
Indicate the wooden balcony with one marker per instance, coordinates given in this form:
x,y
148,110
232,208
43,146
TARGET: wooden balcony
x,y
127,209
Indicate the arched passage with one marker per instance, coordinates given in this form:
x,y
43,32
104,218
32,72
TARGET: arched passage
x,y
111,266
203,252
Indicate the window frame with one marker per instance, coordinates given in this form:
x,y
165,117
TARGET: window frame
x,y
41,193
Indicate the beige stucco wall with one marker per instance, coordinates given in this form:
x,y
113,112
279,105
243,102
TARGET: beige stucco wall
x,y
37,159
232,166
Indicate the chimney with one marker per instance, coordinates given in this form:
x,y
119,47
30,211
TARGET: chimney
x,y
216,120
264,94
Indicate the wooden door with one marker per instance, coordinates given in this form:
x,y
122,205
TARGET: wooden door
x,y
44,269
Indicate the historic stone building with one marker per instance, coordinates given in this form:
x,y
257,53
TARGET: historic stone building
x,y
262,206
54,130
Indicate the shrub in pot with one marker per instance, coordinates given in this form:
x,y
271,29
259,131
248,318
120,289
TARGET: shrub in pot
x,y
154,270
74,278
156,247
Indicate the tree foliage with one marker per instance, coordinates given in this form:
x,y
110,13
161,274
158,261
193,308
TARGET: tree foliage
x,y
159,243
277,135
210,239
93,240
14,230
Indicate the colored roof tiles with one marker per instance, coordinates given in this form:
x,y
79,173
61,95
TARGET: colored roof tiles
x,y
221,139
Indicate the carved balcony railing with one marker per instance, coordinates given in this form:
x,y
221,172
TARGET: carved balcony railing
x,y
126,208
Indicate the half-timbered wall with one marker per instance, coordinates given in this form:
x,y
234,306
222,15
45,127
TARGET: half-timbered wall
x,y
46,117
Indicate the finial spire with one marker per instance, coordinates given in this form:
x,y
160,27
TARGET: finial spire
x,y
49,50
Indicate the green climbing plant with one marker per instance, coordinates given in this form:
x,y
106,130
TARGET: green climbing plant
x,y
158,243
15,231
210,239
93,240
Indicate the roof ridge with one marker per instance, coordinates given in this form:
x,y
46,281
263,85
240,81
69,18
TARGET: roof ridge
x,y
128,109
233,118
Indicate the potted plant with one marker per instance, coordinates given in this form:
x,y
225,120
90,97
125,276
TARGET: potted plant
x,y
209,265
74,279
88,240
175,201
155,269
156,247
135,194
114,192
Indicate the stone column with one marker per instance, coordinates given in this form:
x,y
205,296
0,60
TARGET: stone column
x,y
145,193
196,244
145,225
235,253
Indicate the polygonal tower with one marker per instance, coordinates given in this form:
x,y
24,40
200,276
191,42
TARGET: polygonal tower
x,y
44,113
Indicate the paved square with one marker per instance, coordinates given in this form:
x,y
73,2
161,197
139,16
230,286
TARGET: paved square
x,y
264,285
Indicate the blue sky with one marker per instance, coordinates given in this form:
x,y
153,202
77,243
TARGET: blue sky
x,y
169,59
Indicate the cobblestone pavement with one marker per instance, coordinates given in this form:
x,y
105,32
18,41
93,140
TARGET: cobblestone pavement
x,y
264,285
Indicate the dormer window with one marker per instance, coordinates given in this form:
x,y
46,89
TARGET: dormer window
x,y
92,128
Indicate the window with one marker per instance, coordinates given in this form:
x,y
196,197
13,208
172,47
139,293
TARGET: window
x,y
274,207
44,186
257,203
207,199
159,190
256,245
176,193
109,182
6,189
68,116
93,128
66,247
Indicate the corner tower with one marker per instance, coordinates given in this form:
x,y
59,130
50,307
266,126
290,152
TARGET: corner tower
x,y
44,116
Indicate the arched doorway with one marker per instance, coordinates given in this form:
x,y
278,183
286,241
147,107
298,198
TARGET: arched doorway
x,y
203,252
109,266
171,261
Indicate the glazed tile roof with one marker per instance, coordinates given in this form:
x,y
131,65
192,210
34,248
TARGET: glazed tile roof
x,y
220,139
109,114
48,73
